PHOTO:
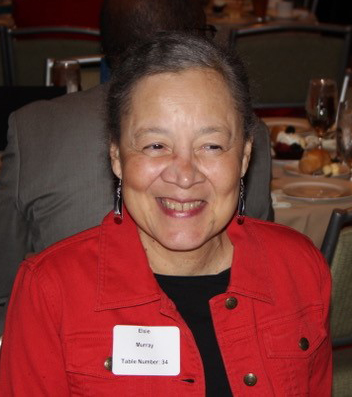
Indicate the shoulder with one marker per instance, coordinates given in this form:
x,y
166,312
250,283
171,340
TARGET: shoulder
x,y
74,103
281,237
66,256
260,133
284,245
61,121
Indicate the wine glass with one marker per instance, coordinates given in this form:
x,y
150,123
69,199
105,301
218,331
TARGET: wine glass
x,y
321,105
344,134
260,9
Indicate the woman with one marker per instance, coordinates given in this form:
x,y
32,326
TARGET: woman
x,y
181,295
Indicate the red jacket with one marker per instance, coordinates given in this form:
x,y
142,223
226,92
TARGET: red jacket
x,y
67,300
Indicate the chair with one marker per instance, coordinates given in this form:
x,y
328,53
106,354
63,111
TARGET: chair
x,y
281,59
90,67
337,249
25,50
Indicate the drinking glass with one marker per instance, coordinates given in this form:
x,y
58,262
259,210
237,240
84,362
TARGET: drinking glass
x,y
235,8
321,105
344,134
67,73
260,9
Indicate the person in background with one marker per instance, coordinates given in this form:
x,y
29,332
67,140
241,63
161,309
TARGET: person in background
x,y
55,180
32,13
178,293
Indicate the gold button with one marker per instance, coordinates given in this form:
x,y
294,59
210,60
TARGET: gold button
x,y
108,363
231,302
304,343
250,379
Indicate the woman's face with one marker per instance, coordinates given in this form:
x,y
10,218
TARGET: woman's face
x,y
180,158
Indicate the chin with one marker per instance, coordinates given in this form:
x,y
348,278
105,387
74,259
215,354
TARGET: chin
x,y
182,243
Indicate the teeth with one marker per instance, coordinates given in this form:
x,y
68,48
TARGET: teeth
x,y
173,205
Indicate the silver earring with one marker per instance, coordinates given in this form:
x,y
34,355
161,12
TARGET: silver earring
x,y
241,204
118,215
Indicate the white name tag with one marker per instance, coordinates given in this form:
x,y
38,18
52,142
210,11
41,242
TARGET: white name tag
x,y
140,350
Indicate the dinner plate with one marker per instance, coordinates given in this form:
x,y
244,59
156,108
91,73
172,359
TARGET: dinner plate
x,y
282,162
315,191
292,169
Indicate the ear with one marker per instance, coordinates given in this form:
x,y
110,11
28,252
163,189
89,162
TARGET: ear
x,y
246,156
115,160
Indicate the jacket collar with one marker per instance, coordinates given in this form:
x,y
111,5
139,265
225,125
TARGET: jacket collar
x,y
122,262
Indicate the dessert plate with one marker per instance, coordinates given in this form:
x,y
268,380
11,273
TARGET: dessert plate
x,y
292,169
318,191
301,125
296,14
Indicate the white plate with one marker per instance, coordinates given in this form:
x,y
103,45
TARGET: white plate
x,y
296,14
301,124
315,191
292,169
282,162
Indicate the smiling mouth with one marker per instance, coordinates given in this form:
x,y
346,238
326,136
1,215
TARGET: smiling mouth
x,y
181,207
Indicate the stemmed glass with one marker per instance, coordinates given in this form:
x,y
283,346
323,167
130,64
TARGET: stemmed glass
x,y
321,105
344,134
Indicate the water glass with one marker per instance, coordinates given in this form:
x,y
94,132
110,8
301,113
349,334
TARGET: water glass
x,y
260,9
67,73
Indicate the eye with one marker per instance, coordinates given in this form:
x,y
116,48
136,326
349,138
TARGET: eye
x,y
213,147
155,149
154,146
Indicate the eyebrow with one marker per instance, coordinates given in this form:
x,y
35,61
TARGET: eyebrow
x,y
212,129
151,130
201,131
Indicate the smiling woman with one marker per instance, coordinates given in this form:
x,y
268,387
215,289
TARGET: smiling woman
x,y
180,157
180,147
183,295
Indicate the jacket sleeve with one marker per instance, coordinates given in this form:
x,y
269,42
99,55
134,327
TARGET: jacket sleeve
x,y
321,376
15,239
31,362
258,177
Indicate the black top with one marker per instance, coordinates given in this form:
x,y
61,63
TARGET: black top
x,y
191,295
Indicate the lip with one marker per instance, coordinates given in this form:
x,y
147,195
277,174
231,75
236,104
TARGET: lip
x,y
173,212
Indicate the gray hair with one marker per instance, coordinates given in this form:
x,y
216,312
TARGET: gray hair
x,y
173,52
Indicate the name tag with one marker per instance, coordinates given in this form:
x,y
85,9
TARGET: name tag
x,y
140,350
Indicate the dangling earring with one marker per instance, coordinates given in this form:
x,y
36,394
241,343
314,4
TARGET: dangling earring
x,y
241,204
118,215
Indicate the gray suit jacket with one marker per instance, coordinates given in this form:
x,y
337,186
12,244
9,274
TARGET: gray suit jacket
x,y
56,180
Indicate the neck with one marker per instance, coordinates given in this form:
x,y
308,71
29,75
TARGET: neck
x,y
211,258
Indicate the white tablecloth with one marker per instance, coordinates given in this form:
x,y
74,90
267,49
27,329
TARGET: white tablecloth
x,y
309,218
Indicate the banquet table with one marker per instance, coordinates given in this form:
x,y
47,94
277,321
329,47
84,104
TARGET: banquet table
x,y
308,216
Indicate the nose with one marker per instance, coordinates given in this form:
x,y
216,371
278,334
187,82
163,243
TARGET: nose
x,y
183,171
